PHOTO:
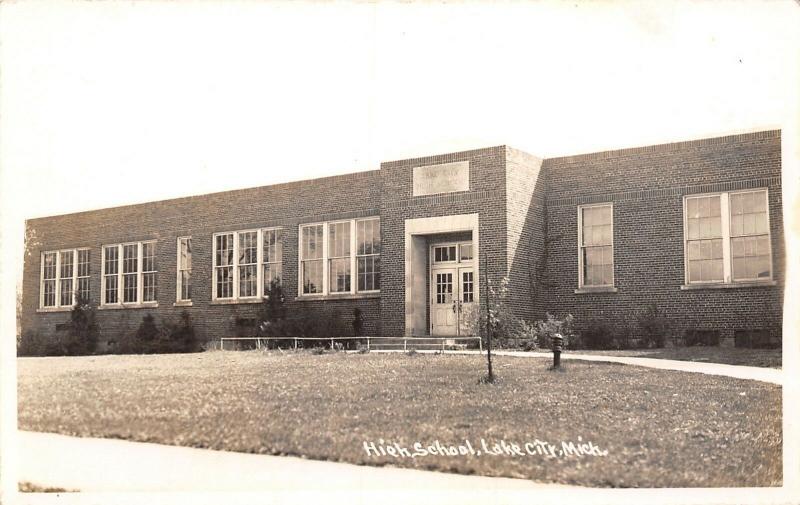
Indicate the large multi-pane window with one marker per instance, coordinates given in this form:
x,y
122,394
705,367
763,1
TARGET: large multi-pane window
x,y
184,282
596,244
130,274
340,257
245,262
727,237
64,273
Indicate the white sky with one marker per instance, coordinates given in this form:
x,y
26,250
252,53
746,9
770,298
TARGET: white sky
x,y
153,100
109,103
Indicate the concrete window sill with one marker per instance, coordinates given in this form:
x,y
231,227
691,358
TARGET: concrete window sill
x,y
183,303
45,310
587,290
235,301
346,296
129,306
729,285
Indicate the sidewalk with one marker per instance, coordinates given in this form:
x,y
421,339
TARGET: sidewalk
x,y
771,375
97,464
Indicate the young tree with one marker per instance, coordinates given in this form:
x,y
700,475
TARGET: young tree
x,y
491,322
273,310
83,328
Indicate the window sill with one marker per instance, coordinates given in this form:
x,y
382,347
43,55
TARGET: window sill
x,y
343,296
183,303
54,309
129,306
599,289
729,285
236,301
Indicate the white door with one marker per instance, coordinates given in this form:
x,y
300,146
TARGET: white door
x,y
444,302
466,299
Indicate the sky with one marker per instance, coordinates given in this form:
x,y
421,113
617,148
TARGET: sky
x,y
111,103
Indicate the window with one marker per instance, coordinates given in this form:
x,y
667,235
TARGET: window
x,y
750,247
596,246
311,259
64,273
465,252
369,254
243,261
273,251
184,282
130,274
248,264
727,237
340,257
443,254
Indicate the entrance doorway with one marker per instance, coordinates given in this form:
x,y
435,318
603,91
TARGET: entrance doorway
x,y
452,288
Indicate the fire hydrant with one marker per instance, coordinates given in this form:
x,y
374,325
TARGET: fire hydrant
x,y
558,342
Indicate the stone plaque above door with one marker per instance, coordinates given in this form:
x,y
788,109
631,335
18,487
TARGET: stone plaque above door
x,y
442,178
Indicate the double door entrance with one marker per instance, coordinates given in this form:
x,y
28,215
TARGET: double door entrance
x,y
452,289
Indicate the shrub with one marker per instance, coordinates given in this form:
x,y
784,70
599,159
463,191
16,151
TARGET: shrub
x,y
597,334
502,322
545,329
180,337
653,326
31,343
273,308
82,331
358,322
146,339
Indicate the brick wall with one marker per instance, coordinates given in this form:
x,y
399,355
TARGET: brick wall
x,y
485,197
527,228
284,205
525,218
646,186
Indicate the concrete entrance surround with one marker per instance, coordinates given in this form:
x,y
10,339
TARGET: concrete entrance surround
x,y
416,263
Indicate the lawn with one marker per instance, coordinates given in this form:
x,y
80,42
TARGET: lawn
x,y
660,428
767,358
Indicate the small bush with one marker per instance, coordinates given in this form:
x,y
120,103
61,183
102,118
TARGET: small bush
x,y
273,307
180,337
358,322
544,330
175,337
654,327
597,335
31,344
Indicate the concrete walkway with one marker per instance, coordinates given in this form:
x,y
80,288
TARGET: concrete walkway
x,y
771,375
97,464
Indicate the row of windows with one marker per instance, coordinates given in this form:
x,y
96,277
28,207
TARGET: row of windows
x,y
245,263
726,239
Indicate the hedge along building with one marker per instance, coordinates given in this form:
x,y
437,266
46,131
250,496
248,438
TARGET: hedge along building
x,y
693,227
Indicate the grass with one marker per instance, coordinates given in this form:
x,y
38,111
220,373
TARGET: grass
x,y
660,428
767,358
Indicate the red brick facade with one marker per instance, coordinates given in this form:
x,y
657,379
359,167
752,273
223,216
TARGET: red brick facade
x,y
527,214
